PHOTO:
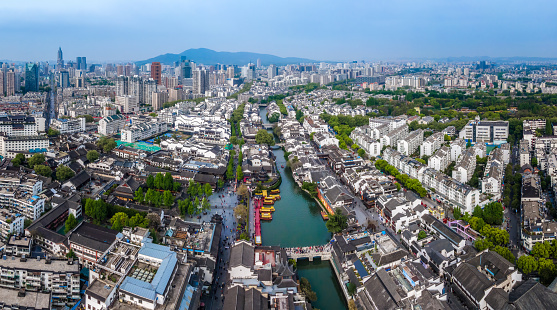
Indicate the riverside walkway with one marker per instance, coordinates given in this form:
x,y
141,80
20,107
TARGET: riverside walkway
x,y
310,252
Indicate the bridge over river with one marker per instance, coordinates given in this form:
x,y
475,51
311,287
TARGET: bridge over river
x,y
310,252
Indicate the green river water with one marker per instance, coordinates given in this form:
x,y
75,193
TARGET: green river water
x,y
297,222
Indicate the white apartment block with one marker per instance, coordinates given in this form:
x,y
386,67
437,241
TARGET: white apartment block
x,y
370,145
24,203
128,104
392,123
410,144
111,124
458,146
143,131
394,135
69,126
485,131
11,223
432,144
19,125
440,160
465,166
59,277
22,143
493,174
315,125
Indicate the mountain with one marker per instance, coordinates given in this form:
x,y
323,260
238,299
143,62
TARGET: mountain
x,y
209,57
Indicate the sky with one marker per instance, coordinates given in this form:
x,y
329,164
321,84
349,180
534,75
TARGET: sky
x,y
332,30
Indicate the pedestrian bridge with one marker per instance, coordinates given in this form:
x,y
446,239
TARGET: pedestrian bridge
x,y
321,251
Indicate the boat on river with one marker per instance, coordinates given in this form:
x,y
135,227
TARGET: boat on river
x,y
324,215
268,209
266,216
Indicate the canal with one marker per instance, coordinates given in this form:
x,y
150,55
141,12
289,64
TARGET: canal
x,y
297,222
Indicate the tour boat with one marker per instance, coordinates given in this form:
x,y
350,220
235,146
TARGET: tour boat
x,y
324,215
266,216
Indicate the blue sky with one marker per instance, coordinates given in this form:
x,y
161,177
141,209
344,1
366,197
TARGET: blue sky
x,y
120,30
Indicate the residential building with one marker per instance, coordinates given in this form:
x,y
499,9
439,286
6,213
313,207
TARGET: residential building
x,y
393,136
440,160
156,72
431,144
465,166
410,144
458,146
158,99
492,181
18,125
127,104
143,131
111,124
68,126
485,131
315,125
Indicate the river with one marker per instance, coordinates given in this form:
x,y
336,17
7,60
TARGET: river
x,y
297,222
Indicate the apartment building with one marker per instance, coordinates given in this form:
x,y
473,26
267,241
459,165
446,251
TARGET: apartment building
x,y
127,104
68,126
59,277
485,131
22,202
371,145
493,174
535,220
22,143
393,136
111,124
143,131
315,125
465,166
431,144
18,125
441,159
11,222
410,144
458,146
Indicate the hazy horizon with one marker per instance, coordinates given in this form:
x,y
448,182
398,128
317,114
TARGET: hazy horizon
x,y
125,30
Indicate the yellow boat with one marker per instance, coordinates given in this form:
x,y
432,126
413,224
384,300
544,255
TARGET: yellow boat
x,y
268,202
275,197
266,216
275,191
266,209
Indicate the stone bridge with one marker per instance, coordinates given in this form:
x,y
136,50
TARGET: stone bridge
x,y
319,251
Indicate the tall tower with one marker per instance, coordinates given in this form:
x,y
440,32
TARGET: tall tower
x,y
31,77
200,81
156,72
60,62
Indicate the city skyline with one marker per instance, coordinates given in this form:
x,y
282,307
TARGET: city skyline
x,y
359,30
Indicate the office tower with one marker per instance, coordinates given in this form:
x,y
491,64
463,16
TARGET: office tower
x,y
156,72
119,70
128,70
81,63
258,63
135,88
10,83
230,72
149,87
60,62
64,79
185,69
200,81
122,85
272,71
79,79
31,77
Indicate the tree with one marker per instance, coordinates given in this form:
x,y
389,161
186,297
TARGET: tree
x,y
154,220
18,160
196,205
52,132
546,270
527,264
37,159
168,198
205,205
119,221
478,212
70,224
476,223
139,195
306,289
43,170
159,181
541,250
493,213
351,288
150,181
191,209
138,220
482,244
168,181
241,213
506,253
421,235
208,189
263,137
220,183
337,222
183,206
457,213
64,172
96,209
243,191
92,155
534,161
239,173
106,144
71,253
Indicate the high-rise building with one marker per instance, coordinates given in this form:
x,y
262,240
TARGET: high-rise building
x,y
149,87
3,75
159,98
60,62
200,81
258,63
119,70
135,88
64,79
272,71
10,83
230,72
121,85
81,63
156,72
185,69
31,77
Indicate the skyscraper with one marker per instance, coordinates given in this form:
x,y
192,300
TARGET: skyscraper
x,y
60,62
230,72
81,63
272,71
200,81
64,79
3,79
258,63
156,72
185,69
10,83
31,77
